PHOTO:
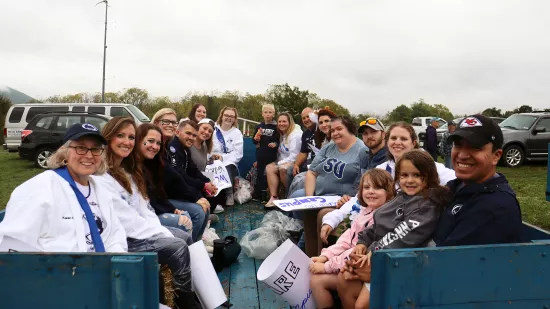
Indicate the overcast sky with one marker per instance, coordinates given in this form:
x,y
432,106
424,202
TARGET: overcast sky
x,y
369,56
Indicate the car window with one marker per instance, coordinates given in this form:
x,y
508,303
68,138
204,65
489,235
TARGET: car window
x,y
16,114
44,122
96,109
417,122
518,122
78,109
96,121
119,111
545,123
33,111
65,122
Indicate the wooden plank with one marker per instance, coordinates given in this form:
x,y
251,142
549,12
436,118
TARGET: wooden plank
x,y
268,299
243,272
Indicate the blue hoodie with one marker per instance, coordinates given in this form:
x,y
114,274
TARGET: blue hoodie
x,y
480,214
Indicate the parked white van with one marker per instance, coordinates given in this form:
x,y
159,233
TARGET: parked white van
x,y
19,116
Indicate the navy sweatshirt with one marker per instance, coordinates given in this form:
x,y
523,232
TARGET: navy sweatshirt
x,y
480,214
270,134
430,144
181,161
175,185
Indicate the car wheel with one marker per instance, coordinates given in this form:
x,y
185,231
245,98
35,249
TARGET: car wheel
x,y
513,156
41,158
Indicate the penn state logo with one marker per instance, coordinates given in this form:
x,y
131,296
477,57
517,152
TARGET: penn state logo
x,y
172,149
470,122
335,166
90,127
399,211
456,209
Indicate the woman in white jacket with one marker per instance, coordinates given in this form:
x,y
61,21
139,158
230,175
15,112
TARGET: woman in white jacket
x,y
289,147
143,228
67,209
228,146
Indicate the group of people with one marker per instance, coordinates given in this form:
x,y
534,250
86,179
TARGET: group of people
x,y
393,194
128,188
141,189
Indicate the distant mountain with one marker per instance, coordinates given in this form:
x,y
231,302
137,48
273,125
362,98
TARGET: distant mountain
x,y
15,96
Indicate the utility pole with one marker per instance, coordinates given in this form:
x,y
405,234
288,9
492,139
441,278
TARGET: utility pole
x,y
104,50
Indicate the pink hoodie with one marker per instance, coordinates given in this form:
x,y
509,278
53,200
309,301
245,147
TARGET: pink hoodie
x,y
337,253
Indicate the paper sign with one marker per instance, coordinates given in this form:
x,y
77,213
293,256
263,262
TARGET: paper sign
x,y
307,202
9,244
286,272
205,280
217,173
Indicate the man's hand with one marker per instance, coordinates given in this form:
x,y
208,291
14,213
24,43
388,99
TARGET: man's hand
x,y
204,204
325,231
296,170
360,272
359,250
344,199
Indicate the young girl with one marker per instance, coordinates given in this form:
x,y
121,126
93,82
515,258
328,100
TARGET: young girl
x,y
376,188
408,221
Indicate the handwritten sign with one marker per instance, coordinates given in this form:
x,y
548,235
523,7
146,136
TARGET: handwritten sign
x,y
307,202
286,272
218,175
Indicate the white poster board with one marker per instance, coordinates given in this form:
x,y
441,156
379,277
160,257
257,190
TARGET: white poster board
x,y
307,202
218,175
205,280
286,272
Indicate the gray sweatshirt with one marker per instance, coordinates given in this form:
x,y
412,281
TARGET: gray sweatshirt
x,y
404,222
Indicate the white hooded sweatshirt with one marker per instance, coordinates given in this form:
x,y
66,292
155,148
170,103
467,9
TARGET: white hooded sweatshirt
x,y
233,142
289,147
44,213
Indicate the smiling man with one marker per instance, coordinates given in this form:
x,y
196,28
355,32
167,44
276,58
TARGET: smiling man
x,y
484,209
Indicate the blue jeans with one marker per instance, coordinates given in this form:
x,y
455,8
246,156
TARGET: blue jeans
x,y
197,214
173,220
448,163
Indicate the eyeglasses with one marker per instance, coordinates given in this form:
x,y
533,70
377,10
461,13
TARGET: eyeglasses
x,y
229,116
165,122
81,150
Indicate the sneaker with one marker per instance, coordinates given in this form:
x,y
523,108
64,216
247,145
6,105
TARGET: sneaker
x,y
218,209
229,201
270,202
213,218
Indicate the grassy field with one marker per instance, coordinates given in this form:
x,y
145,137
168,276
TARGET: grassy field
x,y
528,181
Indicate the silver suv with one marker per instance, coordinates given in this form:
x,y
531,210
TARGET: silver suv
x,y
526,136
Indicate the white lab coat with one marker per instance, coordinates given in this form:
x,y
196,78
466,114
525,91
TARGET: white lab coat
x,y
44,213
233,141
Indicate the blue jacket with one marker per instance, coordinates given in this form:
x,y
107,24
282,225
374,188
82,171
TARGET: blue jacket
x,y
480,214
430,144
378,158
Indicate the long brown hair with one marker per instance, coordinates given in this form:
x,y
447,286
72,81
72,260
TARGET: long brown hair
x,y
319,137
154,168
425,164
409,128
380,179
128,164
193,111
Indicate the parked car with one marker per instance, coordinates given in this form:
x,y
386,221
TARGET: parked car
x,y
421,123
526,137
19,115
44,133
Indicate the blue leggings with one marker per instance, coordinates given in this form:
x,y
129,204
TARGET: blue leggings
x,y
197,214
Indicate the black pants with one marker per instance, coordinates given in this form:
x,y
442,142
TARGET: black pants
x,y
261,180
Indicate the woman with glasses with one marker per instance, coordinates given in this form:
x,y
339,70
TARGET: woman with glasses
x,y
66,209
289,147
143,228
228,145
179,192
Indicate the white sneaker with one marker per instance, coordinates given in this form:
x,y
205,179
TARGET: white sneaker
x,y
218,209
229,200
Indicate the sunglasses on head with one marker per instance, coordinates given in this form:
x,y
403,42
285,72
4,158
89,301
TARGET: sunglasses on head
x,y
371,121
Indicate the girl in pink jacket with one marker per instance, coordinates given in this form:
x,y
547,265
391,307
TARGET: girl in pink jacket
x,y
375,189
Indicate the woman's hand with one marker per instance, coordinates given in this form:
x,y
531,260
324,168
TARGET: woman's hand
x,y
359,250
272,145
325,231
319,259
204,204
363,259
210,189
344,199
360,273
317,268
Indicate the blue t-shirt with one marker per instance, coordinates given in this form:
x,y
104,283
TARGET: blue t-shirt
x,y
338,172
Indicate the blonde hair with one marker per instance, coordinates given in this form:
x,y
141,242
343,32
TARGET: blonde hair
x,y
291,126
161,113
59,159
227,108
266,106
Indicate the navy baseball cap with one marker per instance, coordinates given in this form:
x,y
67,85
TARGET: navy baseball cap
x,y
78,130
478,130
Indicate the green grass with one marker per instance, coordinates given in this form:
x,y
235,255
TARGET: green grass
x,y
528,181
